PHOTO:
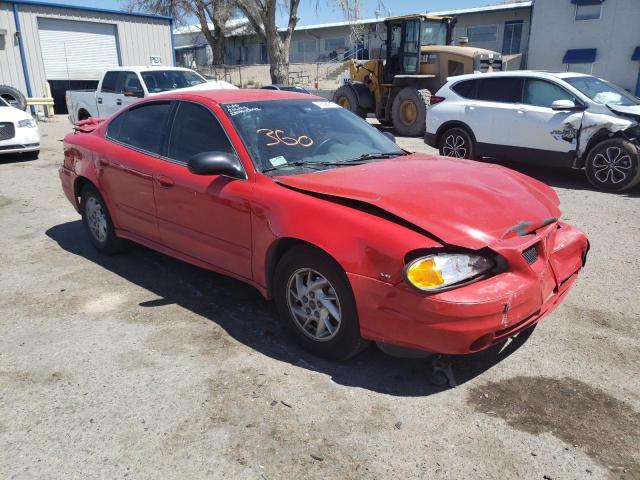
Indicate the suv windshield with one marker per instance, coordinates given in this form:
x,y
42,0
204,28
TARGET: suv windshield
x,y
163,80
602,92
293,136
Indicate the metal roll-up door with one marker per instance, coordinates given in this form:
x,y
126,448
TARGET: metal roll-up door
x,y
74,50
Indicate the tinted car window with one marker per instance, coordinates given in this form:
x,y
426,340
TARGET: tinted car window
x,y
195,130
507,90
131,83
109,82
142,126
465,89
542,93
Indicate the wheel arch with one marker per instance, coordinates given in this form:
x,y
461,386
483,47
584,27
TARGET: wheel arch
x,y
454,124
600,136
78,184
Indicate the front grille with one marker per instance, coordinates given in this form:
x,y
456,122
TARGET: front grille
x,y
531,254
7,130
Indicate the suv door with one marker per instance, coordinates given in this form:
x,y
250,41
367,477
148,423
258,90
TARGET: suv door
x,y
539,127
127,168
206,217
109,93
493,111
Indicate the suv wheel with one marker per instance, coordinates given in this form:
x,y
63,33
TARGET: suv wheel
x,y
313,295
456,142
613,165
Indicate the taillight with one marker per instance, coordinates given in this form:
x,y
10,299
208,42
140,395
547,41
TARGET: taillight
x,y
435,99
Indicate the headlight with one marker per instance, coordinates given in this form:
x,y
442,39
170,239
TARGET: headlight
x,y
27,123
438,271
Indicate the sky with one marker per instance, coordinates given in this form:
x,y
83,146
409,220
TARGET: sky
x,y
327,10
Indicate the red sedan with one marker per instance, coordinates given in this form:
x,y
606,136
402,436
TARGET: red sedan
x,y
354,238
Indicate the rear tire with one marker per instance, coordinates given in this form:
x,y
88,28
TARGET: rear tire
x,y
347,98
409,111
83,115
323,319
613,165
457,143
97,222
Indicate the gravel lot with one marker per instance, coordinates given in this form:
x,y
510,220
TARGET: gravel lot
x,y
141,366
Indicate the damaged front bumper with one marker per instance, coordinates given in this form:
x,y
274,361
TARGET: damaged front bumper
x,y
474,317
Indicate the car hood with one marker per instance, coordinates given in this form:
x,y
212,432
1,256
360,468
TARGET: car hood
x,y
461,202
626,111
12,114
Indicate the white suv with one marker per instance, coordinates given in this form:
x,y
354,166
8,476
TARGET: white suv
x,y
558,119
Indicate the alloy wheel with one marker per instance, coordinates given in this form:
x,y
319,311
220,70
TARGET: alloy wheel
x,y
96,219
612,166
314,304
454,146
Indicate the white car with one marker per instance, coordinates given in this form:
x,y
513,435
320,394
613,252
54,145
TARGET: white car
x,y
558,119
18,132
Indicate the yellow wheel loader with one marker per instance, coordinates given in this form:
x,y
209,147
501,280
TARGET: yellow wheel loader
x,y
419,59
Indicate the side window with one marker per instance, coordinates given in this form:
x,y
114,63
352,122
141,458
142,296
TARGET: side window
x,y
131,83
143,126
466,89
195,130
542,93
109,82
505,90
113,129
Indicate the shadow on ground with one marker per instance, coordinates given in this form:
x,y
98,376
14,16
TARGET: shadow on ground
x,y
245,315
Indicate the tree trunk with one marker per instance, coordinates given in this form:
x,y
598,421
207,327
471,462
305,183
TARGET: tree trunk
x,y
278,59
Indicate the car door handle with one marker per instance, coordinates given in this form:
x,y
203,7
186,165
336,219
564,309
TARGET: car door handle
x,y
100,100
119,101
165,181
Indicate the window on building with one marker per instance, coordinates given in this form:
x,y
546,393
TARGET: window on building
x,y
196,130
501,89
580,68
512,38
482,33
331,44
306,46
580,60
588,11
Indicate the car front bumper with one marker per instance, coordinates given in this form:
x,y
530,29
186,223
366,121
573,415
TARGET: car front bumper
x,y
25,140
474,317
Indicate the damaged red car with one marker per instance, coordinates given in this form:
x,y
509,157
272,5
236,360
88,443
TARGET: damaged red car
x,y
354,238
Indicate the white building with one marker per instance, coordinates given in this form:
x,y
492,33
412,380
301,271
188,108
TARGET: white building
x,y
600,37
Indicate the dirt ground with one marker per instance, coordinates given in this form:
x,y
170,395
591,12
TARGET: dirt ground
x,y
140,366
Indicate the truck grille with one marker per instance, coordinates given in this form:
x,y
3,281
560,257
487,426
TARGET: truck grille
x,y
7,130
531,254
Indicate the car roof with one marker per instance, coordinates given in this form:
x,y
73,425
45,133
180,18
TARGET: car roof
x,y
519,73
138,68
239,95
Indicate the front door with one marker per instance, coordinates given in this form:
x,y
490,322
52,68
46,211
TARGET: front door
x,y
394,51
109,95
206,217
411,47
127,169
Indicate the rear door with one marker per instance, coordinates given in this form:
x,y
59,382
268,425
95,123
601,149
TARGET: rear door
x,y
128,167
206,217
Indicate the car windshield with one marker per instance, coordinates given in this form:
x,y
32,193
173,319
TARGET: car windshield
x,y
286,137
163,80
602,92
434,32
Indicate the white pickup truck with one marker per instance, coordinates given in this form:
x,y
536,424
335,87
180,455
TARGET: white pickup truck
x,y
124,85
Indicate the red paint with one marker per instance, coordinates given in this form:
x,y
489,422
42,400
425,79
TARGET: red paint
x,y
233,226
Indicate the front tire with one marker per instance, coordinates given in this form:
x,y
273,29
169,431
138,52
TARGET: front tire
x,y
457,143
314,298
347,99
613,165
97,222
409,111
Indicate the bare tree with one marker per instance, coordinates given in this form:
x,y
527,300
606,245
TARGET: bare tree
x,y
262,16
352,11
212,16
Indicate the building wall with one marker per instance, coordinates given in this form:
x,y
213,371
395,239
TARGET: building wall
x,y
497,19
615,35
138,39
10,66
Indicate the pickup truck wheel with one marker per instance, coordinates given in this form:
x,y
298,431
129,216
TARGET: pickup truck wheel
x,y
313,295
97,222
456,142
83,114
613,165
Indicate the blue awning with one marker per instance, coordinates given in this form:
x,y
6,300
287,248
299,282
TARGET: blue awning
x,y
580,55
587,2
636,54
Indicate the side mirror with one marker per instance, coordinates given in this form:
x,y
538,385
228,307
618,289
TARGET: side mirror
x,y
390,136
216,163
134,93
560,105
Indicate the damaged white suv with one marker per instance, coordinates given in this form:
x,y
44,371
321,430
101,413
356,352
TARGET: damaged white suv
x,y
557,119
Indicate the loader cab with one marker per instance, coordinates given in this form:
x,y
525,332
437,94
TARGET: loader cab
x,y
405,36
